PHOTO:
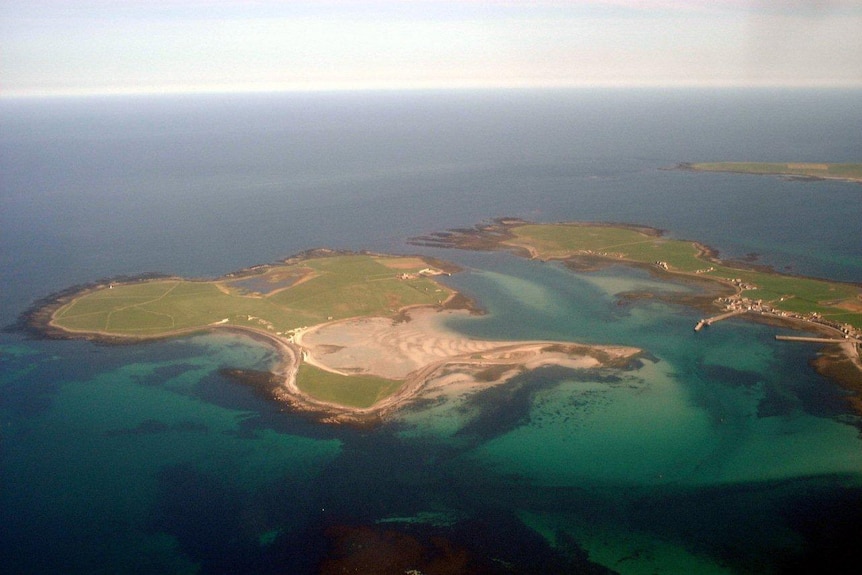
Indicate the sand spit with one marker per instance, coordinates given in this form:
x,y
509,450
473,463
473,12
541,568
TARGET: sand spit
x,y
416,347
430,358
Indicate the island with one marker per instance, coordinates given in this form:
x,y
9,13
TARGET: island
x,y
830,309
793,170
361,334
358,334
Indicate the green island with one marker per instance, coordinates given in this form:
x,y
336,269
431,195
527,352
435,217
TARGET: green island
x,y
360,334
802,170
831,309
276,298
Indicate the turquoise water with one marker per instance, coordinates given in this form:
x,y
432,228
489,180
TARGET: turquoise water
x,y
719,452
98,452
711,415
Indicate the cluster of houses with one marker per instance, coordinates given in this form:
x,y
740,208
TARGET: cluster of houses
x,y
739,283
738,303
425,272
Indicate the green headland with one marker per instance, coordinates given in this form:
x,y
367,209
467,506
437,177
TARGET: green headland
x,y
831,309
273,301
275,298
806,170
836,304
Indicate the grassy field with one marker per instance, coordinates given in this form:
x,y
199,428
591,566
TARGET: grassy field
x,y
842,171
349,286
281,298
349,390
555,241
306,293
278,299
837,301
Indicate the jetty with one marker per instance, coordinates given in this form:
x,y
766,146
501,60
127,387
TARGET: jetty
x,y
711,320
816,339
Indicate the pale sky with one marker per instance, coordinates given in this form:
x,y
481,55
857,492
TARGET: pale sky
x,y
55,47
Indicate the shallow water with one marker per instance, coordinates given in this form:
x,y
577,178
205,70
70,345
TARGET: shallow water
x,y
720,452
721,416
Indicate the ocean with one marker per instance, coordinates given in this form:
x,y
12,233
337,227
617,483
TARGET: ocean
x,y
723,452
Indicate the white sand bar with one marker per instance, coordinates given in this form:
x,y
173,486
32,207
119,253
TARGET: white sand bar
x,y
382,347
431,358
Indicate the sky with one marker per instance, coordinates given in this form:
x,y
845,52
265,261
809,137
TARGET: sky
x,y
59,47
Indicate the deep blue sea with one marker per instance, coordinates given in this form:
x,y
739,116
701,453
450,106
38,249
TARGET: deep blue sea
x,y
723,453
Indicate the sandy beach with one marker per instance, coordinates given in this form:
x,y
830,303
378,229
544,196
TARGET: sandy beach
x,y
413,348
432,359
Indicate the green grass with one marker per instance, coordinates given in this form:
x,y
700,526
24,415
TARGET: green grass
x,y
801,295
344,286
335,288
353,391
149,308
849,171
562,240
349,286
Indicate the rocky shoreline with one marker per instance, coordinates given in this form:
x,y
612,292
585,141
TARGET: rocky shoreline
x,y
35,321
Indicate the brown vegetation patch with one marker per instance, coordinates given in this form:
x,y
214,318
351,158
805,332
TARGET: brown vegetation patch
x,y
850,305
403,263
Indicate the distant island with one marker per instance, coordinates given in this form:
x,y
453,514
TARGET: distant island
x,y
797,170
360,334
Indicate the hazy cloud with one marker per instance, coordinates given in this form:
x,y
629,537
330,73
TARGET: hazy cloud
x,y
192,45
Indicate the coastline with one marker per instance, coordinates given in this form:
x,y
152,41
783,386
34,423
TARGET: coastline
x,y
843,366
786,175
442,361
36,319
451,363
411,345
427,356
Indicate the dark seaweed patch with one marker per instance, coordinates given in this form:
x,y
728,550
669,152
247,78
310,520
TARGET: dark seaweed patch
x,y
502,408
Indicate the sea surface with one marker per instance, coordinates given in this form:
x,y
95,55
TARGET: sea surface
x,y
722,452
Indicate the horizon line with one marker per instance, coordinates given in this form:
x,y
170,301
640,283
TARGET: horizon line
x,y
240,90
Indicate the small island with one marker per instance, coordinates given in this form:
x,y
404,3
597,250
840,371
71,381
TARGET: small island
x,y
797,170
359,334
832,310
